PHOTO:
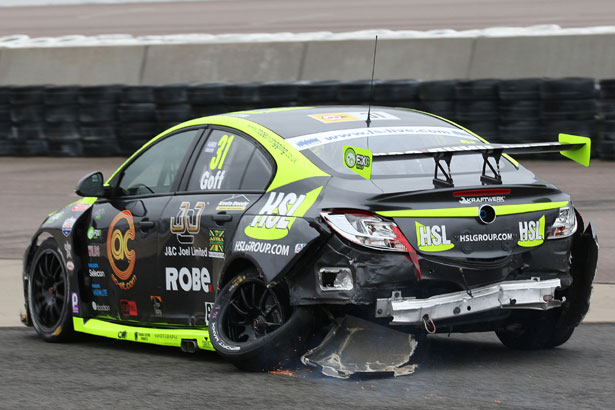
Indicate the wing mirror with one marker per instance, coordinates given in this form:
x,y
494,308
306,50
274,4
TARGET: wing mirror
x,y
91,185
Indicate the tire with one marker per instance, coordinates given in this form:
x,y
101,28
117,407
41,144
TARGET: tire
x,y
324,92
51,314
520,89
354,92
396,90
571,88
255,346
437,90
477,90
534,330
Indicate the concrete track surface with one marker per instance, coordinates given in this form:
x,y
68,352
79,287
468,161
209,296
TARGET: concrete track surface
x,y
461,372
271,16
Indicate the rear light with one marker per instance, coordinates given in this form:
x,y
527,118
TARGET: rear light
x,y
565,224
372,231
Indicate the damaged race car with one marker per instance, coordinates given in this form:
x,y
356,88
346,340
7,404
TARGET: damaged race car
x,y
245,232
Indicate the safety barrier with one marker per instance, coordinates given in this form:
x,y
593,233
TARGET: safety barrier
x,y
116,120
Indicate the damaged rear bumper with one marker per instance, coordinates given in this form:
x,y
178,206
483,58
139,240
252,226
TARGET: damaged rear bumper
x,y
522,294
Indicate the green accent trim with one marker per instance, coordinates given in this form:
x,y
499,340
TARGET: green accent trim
x,y
472,211
579,155
156,336
292,165
541,232
358,160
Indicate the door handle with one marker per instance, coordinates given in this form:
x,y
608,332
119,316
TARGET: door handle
x,y
222,217
146,225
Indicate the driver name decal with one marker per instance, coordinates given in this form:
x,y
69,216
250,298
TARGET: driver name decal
x,y
121,258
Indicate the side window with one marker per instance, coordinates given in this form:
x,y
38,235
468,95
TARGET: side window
x,y
229,162
155,170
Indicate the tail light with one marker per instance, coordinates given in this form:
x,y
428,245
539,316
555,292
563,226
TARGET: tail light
x,y
565,224
371,231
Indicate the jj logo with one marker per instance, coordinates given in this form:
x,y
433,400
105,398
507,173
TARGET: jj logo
x,y
187,222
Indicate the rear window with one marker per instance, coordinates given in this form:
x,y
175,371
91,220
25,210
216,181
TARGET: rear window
x,y
328,147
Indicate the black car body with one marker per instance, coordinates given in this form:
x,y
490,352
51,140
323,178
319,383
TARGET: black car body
x,y
228,232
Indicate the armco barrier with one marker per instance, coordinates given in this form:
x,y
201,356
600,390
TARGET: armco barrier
x,y
116,120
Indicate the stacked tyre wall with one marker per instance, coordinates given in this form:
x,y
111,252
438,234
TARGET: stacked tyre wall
x,y
116,120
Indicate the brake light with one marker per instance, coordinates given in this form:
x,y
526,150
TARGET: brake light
x,y
372,231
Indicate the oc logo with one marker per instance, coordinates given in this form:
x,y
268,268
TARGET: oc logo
x,y
122,259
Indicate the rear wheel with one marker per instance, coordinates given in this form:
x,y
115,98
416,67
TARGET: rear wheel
x,y
536,330
48,294
255,327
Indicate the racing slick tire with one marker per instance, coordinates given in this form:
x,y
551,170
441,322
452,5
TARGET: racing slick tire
x,y
49,294
538,330
254,327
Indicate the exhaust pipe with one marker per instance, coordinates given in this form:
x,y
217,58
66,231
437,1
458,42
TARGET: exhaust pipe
x,y
189,346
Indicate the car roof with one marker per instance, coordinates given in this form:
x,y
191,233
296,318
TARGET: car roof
x,y
295,121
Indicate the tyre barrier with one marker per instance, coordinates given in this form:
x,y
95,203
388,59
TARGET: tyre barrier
x,y
116,120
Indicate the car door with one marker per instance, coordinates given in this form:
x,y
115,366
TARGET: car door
x,y
122,240
230,173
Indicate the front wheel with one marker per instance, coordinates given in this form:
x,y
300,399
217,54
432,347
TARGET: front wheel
x,y
48,294
253,325
534,330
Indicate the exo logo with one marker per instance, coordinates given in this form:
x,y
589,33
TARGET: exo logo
x,y
187,222
531,233
432,238
122,259
358,160
278,214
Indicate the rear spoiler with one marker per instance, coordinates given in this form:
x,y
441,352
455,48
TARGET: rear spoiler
x,y
574,147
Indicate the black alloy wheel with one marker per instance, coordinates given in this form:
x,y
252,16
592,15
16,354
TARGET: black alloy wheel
x,y
48,294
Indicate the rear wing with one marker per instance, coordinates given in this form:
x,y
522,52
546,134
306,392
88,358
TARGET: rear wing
x,y
574,147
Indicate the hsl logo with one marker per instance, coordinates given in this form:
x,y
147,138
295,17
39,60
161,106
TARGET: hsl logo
x,y
531,233
432,238
122,259
278,214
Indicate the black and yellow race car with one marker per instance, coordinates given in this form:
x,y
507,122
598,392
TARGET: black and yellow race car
x,y
244,232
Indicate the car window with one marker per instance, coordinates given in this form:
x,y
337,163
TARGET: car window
x,y
229,161
155,170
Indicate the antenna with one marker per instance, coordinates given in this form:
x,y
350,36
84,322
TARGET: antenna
x,y
368,120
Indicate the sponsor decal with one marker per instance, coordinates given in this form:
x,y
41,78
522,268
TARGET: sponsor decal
x,y
321,138
67,226
80,207
276,217
121,258
184,251
234,203
93,265
195,279
486,237
480,199
70,265
68,249
213,177
95,273
98,213
129,307
211,146
99,307
122,334
208,308
93,251
74,299
358,160
142,336
353,116
98,291
432,238
187,223
54,217
299,247
262,247
156,305
531,233
94,233
216,243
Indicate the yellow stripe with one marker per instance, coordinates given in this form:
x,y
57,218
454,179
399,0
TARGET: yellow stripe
x,y
472,211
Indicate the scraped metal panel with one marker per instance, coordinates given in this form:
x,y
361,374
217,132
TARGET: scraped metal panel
x,y
358,346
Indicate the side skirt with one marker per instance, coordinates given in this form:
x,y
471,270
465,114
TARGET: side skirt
x,y
156,336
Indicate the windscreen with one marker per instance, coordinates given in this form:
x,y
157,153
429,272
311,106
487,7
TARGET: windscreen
x,y
328,148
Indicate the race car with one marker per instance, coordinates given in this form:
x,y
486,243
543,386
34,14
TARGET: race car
x,y
245,232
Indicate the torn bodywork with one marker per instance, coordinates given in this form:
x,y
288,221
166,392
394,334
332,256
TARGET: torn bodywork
x,y
355,345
